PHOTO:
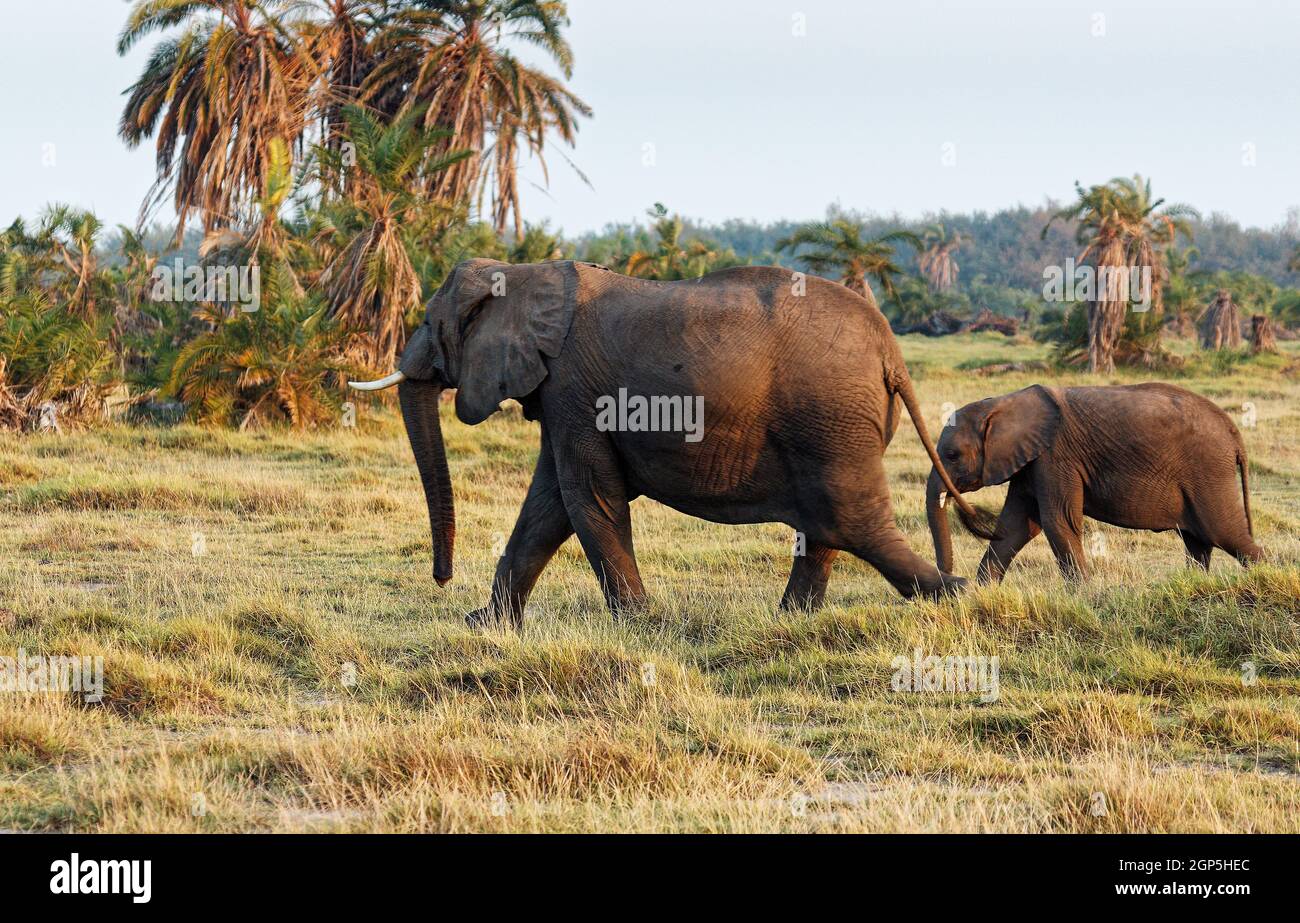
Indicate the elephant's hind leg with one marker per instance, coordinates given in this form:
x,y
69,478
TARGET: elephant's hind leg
x,y
542,527
1198,550
1242,548
807,586
862,522
865,525
1226,528
907,572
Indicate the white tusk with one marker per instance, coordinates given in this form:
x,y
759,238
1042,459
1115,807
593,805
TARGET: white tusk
x,y
943,499
379,384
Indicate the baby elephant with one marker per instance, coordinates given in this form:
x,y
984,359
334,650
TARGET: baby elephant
x,y
1147,456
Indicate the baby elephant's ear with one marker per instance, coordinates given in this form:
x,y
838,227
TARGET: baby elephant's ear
x,y
524,319
1017,430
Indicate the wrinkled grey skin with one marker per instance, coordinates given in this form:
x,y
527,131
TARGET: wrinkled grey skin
x,y
1149,456
799,404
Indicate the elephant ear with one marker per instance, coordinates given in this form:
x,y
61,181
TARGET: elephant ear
x,y
434,349
1017,430
522,317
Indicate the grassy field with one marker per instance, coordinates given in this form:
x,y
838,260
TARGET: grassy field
x,y
305,674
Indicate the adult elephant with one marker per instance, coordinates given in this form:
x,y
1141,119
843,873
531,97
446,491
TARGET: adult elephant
x,y
1150,456
793,379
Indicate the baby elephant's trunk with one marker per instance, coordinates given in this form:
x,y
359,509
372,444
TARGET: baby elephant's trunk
x,y
978,522
937,515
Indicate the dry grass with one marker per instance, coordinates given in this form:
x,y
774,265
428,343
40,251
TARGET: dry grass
x,y
227,707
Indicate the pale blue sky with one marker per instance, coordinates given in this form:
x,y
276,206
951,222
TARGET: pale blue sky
x,y
748,119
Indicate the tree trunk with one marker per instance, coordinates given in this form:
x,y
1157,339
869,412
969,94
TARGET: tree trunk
x,y
1106,310
1105,320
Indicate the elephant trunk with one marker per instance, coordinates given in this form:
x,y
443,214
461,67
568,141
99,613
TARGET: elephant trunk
x,y
419,400
938,518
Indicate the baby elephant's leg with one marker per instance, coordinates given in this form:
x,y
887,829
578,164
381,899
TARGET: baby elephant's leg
x,y
1061,515
1017,527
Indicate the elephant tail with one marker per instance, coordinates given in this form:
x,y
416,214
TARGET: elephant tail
x,y
979,522
1243,466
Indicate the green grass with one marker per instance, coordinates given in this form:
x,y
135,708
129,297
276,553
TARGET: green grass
x,y
709,711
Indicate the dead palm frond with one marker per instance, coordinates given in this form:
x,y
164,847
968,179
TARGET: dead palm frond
x,y
1220,323
448,59
936,260
214,97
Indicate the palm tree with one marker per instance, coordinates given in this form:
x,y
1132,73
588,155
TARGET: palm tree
x,y
1121,228
215,96
537,245
1180,291
446,58
1220,323
20,259
50,354
135,277
672,258
839,248
66,243
266,242
370,279
281,364
341,46
936,259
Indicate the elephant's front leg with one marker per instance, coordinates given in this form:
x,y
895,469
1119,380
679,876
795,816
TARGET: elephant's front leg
x,y
595,498
1017,526
542,527
807,586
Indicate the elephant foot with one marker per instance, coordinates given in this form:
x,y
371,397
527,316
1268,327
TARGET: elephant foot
x,y
628,606
805,604
948,585
952,586
490,617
